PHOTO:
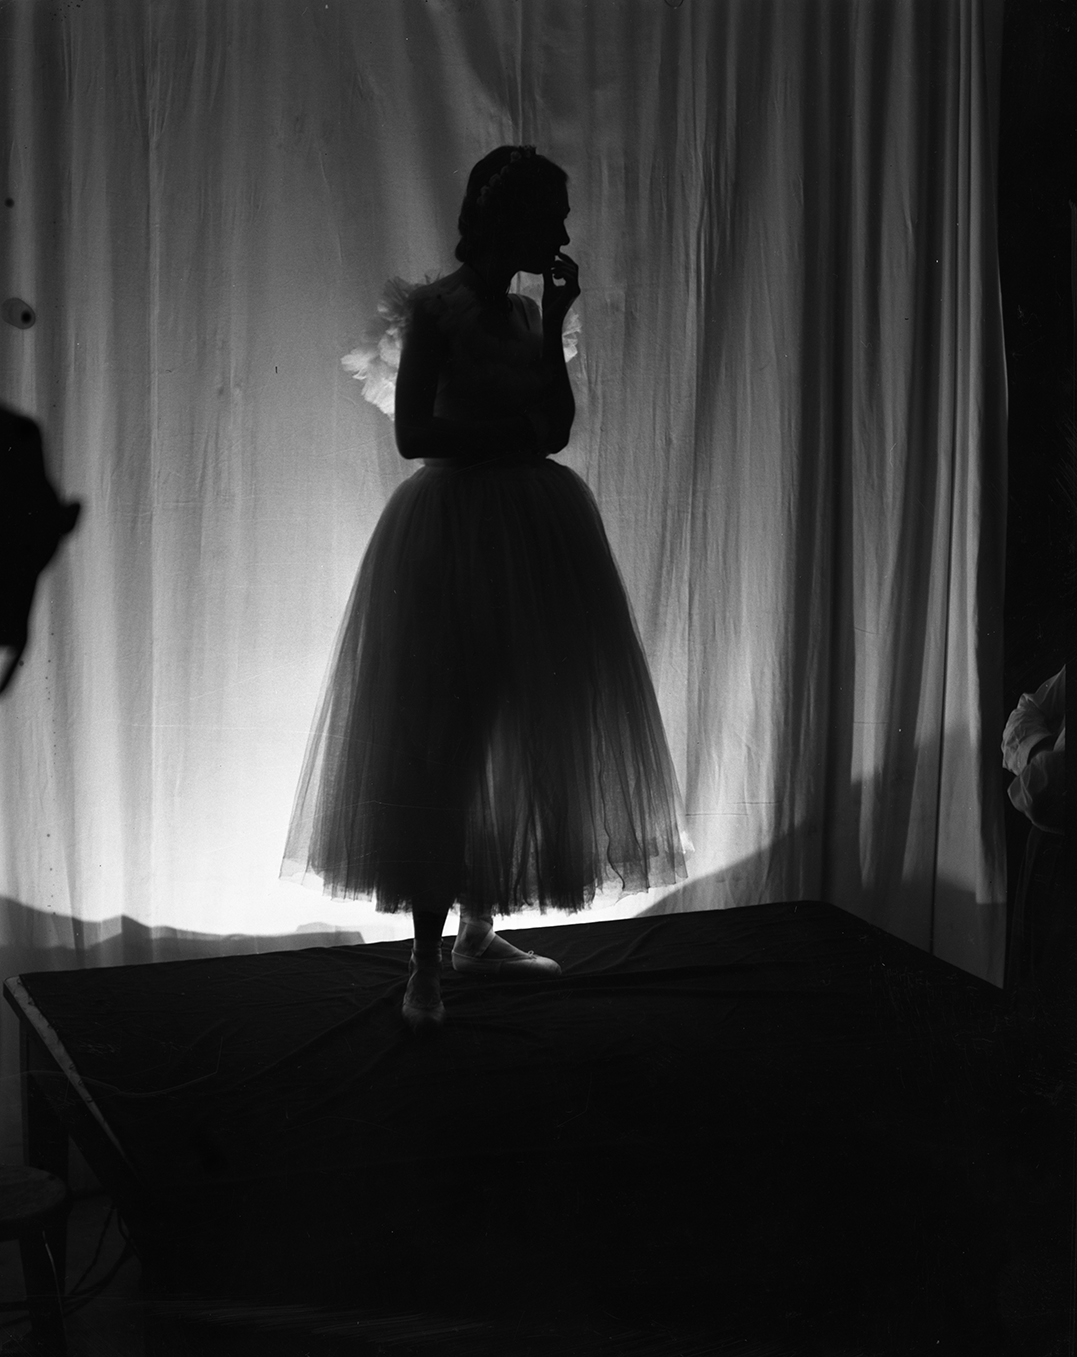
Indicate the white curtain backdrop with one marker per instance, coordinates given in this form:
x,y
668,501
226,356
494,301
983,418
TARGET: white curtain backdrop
x,y
791,409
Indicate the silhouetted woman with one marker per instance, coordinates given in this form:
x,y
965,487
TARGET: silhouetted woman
x,y
488,736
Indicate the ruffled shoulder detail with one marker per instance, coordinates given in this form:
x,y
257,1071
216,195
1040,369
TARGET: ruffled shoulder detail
x,y
570,335
375,361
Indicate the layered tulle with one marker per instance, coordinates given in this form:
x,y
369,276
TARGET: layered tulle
x,y
488,722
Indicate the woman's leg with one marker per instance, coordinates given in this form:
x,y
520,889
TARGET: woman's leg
x,y
475,925
423,1009
476,942
429,912
476,937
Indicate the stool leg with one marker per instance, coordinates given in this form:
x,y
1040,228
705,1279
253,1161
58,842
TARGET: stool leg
x,y
43,1296
45,1143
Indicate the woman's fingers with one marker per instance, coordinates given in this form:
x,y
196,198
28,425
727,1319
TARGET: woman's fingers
x,y
561,283
562,267
560,287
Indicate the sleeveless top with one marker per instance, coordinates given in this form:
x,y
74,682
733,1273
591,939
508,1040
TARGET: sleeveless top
x,y
486,375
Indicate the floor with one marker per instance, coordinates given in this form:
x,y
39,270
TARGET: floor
x,y
110,1323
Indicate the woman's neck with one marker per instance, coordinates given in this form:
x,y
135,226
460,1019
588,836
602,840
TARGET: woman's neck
x,y
491,276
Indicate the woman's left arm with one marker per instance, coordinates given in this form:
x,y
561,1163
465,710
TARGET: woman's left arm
x,y
552,415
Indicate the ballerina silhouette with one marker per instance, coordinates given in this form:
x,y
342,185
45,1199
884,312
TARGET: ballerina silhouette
x,y
488,735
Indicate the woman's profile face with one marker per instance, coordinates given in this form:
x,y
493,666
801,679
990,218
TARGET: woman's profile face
x,y
542,233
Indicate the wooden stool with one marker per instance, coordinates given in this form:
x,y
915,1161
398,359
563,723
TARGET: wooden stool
x,y
31,1201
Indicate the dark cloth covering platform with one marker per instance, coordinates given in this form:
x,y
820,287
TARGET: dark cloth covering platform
x,y
734,1119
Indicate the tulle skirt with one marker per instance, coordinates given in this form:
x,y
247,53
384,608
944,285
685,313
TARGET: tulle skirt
x,y
488,724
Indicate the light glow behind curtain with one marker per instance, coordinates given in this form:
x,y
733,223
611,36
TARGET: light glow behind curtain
x,y
791,409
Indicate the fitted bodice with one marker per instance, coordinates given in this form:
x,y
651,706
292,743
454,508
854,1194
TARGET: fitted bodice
x,y
493,360
491,367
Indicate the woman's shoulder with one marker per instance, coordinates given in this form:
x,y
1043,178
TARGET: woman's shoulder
x,y
448,310
436,307
442,295
431,306
402,300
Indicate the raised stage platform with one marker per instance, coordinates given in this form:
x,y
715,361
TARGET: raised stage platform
x,y
768,1120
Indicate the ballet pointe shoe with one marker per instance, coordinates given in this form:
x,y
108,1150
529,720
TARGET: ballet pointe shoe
x,y
490,955
423,1010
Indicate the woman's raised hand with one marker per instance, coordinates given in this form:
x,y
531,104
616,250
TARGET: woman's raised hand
x,y
551,416
561,287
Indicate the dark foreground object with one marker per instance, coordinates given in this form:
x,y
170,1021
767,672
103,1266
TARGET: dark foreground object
x,y
32,1202
770,1123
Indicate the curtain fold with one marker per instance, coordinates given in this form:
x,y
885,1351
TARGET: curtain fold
x,y
791,410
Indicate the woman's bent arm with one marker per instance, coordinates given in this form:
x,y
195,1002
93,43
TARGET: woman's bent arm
x,y
558,405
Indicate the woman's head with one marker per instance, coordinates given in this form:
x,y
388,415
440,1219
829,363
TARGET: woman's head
x,y
516,202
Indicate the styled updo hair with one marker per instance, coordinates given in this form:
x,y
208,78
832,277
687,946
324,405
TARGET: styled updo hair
x,y
503,189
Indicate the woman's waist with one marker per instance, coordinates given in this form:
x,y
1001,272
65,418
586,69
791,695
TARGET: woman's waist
x,y
476,461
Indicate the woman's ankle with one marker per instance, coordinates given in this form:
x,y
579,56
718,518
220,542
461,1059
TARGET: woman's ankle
x,y
428,918
475,925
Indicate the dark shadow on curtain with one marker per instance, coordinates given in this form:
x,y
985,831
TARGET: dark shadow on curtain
x,y
820,858
126,942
